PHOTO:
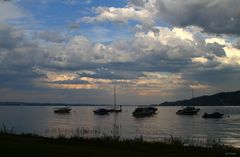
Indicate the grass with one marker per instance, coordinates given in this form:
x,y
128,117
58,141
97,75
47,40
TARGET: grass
x,y
28,145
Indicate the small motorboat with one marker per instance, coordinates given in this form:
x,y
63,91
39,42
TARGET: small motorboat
x,y
101,111
213,115
144,111
62,110
188,111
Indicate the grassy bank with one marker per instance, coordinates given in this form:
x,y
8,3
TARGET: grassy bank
x,y
34,146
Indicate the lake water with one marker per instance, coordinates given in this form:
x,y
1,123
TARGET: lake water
x,y
82,122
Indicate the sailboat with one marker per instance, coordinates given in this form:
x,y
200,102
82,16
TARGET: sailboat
x,y
105,111
115,109
189,110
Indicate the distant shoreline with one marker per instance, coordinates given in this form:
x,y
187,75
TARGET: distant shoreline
x,y
219,99
92,105
96,105
56,104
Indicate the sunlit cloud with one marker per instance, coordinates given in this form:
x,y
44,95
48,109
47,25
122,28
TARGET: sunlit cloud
x,y
232,56
121,15
200,60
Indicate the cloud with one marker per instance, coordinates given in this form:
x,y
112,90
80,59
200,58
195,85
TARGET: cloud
x,y
111,74
10,37
218,78
121,15
50,36
237,44
17,59
216,49
74,81
9,10
74,25
151,63
165,50
216,16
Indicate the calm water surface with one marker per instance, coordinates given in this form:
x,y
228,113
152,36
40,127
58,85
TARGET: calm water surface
x,y
82,122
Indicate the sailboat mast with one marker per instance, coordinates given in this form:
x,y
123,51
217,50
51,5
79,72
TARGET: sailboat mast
x,y
193,97
192,93
114,90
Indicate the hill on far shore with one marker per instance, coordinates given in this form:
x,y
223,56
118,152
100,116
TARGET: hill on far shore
x,y
220,99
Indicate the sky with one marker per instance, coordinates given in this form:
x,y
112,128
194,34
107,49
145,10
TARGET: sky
x,y
74,51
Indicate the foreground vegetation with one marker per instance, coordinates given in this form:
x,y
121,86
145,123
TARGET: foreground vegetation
x,y
27,145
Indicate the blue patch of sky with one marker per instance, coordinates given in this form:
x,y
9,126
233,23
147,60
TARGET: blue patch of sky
x,y
52,15
57,14
162,23
109,3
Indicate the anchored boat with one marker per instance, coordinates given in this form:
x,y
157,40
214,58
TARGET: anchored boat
x,y
188,111
62,110
144,111
213,115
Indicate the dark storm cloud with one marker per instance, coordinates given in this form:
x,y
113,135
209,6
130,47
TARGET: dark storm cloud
x,y
113,72
69,65
9,37
218,78
18,78
214,16
216,49
221,16
150,63
17,59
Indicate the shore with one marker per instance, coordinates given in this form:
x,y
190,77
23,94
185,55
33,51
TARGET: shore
x,y
31,145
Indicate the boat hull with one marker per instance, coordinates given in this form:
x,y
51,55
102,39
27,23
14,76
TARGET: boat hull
x,y
144,112
101,111
62,111
188,111
213,115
